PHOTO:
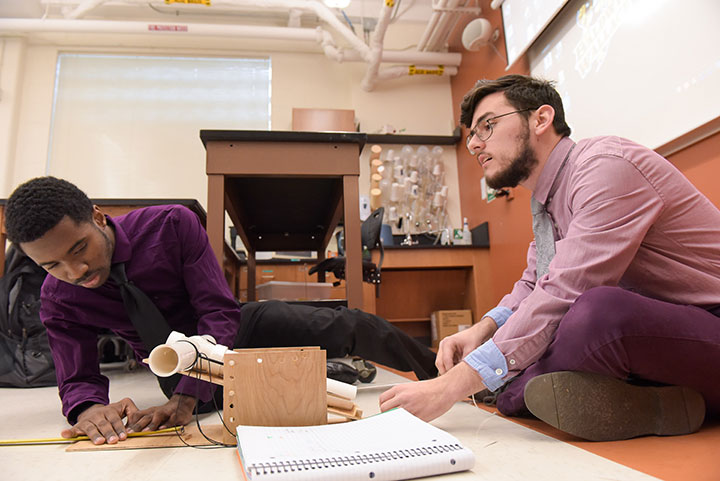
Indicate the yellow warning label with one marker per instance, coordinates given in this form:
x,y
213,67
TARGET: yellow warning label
x,y
390,3
413,70
197,2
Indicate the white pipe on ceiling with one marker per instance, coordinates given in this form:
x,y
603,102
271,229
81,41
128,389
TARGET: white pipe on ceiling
x,y
28,25
376,47
447,20
312,6
402,71
84,8
431,26
445,63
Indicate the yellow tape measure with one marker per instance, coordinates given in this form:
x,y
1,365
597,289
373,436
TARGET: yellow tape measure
x,y
20,442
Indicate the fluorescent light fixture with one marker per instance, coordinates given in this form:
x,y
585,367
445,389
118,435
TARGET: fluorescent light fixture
x,y
337,3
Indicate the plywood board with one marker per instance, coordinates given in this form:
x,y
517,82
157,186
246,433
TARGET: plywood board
x,y
275,387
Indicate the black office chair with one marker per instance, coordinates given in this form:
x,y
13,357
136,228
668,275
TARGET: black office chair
x,y
370,238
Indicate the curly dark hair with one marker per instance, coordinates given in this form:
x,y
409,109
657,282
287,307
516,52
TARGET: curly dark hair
x,y
39,204
522,92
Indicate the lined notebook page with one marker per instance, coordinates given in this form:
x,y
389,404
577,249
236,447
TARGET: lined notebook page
x,y
391,446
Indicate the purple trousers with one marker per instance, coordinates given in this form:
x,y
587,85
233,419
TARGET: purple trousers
x,y
612,331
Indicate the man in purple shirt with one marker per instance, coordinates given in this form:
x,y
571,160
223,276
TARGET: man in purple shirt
x,y
166,254
613,328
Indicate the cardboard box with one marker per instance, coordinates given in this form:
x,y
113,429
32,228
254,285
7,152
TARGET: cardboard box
x,y
446,323
294,291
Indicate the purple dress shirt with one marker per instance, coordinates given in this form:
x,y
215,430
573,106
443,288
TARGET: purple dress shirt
x,y
167,255
622,216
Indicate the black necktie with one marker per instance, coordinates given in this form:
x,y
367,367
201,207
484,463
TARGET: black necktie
x,y
145,316
147,320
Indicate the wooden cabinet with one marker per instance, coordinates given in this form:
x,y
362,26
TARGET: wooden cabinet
x,y
417,281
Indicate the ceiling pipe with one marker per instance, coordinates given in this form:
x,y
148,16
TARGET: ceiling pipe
x,y
410,70
413,57
23,25
83,8
376,46
445,63
447,20
312,6
431,26
28,25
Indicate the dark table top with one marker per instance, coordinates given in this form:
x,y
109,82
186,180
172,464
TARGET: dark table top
x,y
282,136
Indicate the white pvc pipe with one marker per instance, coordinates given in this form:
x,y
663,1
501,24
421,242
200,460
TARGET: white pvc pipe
x,y
376,46
328,45
313,6
404,71
413,57
360,52
344,390
444,23
160,28
181,353
430,28
28,25
84,8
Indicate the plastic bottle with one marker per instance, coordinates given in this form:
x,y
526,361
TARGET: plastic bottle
x,y
467,236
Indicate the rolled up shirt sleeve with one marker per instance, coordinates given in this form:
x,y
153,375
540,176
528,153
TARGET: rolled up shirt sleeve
x,y
490,363
499,314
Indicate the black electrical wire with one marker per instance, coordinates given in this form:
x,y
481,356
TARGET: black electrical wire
x,y
179,432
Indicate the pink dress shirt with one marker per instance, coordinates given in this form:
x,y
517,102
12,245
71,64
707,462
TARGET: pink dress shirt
x,y
623,216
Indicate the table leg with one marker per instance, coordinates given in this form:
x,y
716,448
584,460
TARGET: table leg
x,y
353,245
251,275
216,215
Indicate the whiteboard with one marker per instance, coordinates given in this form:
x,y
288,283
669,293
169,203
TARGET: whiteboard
x,y
647,70
523,21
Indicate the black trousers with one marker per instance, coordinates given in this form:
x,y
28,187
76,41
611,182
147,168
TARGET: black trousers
x,y
340,331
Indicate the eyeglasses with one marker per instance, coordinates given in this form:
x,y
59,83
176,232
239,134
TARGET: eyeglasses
x,y
484,128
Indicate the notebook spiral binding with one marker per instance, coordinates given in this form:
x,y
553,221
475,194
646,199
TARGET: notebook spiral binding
x,y
260,469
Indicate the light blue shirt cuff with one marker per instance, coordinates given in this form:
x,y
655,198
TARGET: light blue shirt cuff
x,y
490,363
499,314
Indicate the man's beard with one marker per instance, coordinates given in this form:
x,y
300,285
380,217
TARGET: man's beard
x,y
519,169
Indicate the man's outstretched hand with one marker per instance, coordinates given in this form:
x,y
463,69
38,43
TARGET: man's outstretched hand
x,y
104,424
178,411
432,398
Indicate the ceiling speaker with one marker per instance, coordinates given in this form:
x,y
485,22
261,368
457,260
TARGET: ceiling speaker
x,y
477,34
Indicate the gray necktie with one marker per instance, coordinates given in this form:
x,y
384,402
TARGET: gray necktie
x,y
544,238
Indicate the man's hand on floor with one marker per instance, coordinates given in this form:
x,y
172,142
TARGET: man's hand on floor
x,y
103,423
178,411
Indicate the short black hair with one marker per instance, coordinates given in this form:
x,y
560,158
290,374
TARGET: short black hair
x,y
522,92
39,204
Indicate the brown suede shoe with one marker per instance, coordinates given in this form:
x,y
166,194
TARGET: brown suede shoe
x,y
601,408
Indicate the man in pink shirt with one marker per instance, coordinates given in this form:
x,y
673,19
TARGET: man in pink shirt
x,y
613,327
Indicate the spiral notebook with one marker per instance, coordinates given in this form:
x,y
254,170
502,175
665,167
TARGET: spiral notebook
x,y
394,445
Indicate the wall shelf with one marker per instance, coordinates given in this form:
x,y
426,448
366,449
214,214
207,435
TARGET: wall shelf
x,y
415,139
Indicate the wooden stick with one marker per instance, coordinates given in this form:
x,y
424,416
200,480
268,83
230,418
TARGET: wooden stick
x,y
339,402
354,413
